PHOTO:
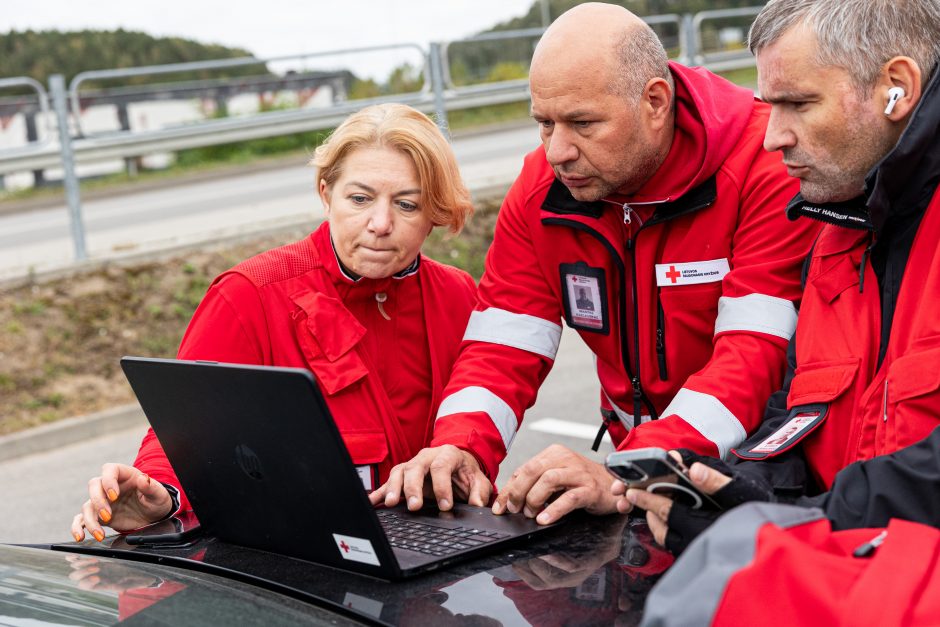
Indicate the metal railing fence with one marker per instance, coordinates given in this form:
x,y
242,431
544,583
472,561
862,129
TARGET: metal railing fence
x,y
439,94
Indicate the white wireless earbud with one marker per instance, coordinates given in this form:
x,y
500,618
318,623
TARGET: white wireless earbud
x,y
894,94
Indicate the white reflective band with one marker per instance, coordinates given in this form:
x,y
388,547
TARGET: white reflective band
x,y
522,331
710,417
625,418
756,312
566,428
480,399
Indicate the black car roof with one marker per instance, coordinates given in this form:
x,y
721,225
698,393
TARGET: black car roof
x,y
584,573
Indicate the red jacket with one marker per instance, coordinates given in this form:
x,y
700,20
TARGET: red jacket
x,y
382,379
871,408
763,564
688,313
864,379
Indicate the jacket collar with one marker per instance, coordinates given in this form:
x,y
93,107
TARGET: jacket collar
x,y
560,201
851,214
901,185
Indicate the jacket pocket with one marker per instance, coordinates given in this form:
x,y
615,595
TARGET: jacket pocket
x,y
690,297
688,327
834,277
821,382
912,401
366,447
328,335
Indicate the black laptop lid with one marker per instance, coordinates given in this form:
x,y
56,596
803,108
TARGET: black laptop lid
x,y
261,460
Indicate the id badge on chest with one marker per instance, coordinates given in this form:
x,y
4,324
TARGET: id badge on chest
x,y
584,294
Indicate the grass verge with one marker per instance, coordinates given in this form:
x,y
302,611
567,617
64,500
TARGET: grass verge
x,y
60,341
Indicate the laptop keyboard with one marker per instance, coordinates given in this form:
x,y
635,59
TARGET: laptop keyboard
x,y
404,533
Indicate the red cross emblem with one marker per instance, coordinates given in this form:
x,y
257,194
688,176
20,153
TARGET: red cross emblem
x,y
673,274
344,546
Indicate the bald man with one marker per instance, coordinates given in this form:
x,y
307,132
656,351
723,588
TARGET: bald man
x,y
652,196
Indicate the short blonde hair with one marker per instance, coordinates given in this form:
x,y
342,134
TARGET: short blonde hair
x,y
444,197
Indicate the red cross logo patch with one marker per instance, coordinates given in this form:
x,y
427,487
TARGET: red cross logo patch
x,y
673,274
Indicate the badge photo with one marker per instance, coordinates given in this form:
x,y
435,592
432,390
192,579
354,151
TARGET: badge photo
x,y
584,293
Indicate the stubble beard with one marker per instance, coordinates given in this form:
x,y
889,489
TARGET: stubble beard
x,y
634,171
829,183
837,181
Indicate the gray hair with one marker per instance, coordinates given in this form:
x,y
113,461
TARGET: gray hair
x,y
640,57
859,36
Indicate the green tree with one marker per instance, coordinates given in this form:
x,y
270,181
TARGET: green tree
x,y
37,54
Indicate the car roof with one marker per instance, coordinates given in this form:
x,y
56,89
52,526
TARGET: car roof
x,y
591,571
55,587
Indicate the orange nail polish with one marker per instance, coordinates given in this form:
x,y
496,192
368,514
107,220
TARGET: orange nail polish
x,y
148,479
77,536
104,515
99,535
112,495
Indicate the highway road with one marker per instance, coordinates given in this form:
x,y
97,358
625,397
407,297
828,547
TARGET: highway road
x,y
180,214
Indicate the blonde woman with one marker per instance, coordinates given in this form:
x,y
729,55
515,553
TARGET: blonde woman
x,y
355,302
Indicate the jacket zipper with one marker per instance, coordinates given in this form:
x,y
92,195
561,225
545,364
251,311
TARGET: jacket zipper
x,y
661,338
628,212
639,398
635,380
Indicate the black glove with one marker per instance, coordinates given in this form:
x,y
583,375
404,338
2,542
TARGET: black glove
x,y
685,523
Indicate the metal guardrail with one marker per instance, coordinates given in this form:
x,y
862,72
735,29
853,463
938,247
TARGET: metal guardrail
x,y
436,96
91,148
725,60
176,68
226,130
520,33
535,33
43,100
439,94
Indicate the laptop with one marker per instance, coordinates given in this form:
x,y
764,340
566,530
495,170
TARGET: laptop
x,y
264,466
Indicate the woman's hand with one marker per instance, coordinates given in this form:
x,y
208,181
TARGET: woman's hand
x,y
123,498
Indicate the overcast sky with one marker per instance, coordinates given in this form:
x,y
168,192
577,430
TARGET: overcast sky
x,y
270,28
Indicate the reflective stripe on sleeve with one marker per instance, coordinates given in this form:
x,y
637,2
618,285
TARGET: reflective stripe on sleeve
x,y
475,398
522,331
756,312
708,416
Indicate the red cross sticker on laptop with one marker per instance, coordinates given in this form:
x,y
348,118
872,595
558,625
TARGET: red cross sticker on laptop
x,y
356,549
691,272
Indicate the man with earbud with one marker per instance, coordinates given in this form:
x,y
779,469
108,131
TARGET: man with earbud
x,y
855,111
